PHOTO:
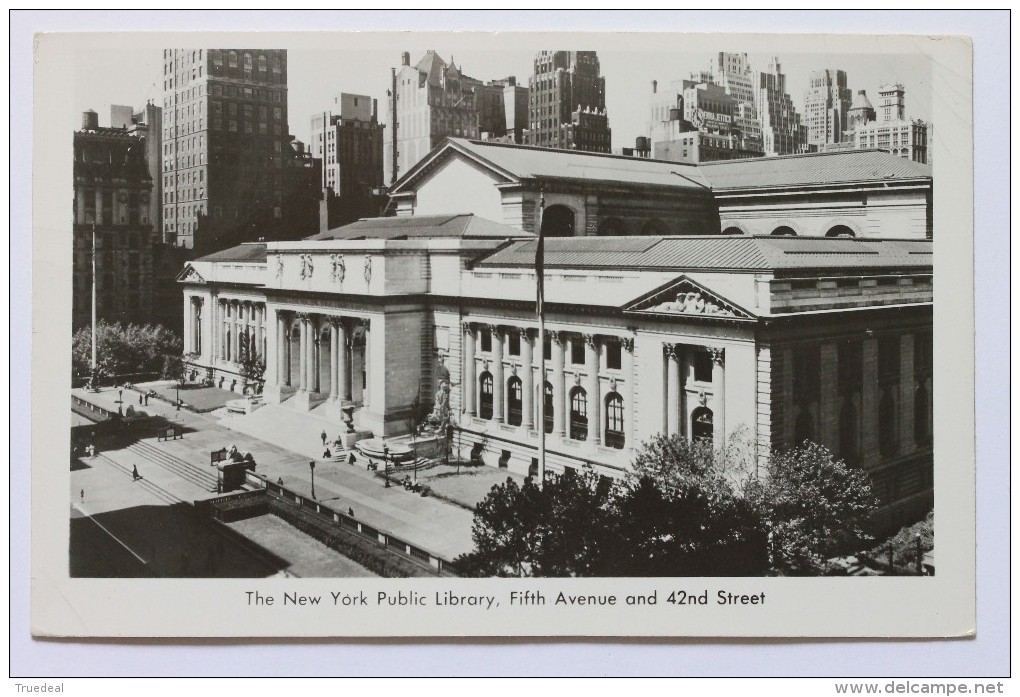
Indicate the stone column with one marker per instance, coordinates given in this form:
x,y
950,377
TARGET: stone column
x,y
789,423
343,360
672,389
828,405
366,394
595,406
497,374
628,390
272,375
718,396
869,402
311,379
260,328
527,381
556,341
221,320
316,379
907,415
334,356
469,385
282,349
302,352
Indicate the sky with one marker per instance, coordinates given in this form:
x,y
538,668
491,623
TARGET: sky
x,y
106,76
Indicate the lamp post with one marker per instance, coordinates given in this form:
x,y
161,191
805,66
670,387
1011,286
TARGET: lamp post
x,y
178,402
386,464
311,466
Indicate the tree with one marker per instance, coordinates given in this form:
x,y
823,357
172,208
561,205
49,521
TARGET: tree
x,y
124,351
252,365
813,506
560,529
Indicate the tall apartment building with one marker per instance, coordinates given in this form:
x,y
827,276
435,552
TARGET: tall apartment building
x,y
567,107
826,104
433,99
781,130
224,146
892,130
733,73
147,125
112,190
348,140
697,122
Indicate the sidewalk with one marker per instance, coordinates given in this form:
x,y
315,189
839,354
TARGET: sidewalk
x,y
426,522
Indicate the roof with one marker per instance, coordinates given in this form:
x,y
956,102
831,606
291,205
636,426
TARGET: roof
x,y
432,65
523,162
717,253
249,251
465,226
517,162
840,167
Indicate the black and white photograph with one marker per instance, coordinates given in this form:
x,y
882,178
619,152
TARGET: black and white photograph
x,y
644,327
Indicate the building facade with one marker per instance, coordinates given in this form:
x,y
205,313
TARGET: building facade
x,y
433,99
702,123
893,131
860,193
112,192
349,142
567,107
760,341
225,143
826,104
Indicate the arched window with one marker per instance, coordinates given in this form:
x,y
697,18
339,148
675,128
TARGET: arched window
x,y
655,228
558,221
614,421
485,399
922,434
887,423
701,425
840,231
578,414
784,230
262,64
276,64
612,227
232,59
548,408
804,428
733,230
847,432
247,61
514,401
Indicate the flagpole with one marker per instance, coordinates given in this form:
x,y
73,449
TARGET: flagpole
x,y
539,306
94,378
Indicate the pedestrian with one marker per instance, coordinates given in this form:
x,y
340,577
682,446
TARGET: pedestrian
x,y
146,399
120,395
280,481
324,437
83,496
350,511
326,455
351,459
134,472
139,399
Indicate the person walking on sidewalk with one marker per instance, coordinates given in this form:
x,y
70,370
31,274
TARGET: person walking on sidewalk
x,y
324,438
134,472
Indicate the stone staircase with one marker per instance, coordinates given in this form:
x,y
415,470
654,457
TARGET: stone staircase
x,y
295,430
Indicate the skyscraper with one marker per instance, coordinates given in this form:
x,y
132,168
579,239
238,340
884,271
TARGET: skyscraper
x,y
349,142
826,104
733,73
892,130
781,129
433,99
567,107
112,187
224,146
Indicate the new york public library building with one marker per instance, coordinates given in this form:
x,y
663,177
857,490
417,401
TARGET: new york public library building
x,y
775,299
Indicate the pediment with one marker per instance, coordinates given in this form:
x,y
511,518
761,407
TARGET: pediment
x,y
685,298
439,157
190,275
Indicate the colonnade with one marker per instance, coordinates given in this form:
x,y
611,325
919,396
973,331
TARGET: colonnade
x,y
236,319
309,377
558,374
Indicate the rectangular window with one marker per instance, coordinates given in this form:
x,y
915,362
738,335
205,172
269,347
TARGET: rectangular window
x,y
577,350
614,355
486,340
514,343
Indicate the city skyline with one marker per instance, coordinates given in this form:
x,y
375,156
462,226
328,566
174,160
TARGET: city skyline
x,y
316,76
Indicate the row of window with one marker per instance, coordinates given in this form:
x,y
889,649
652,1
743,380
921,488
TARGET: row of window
x,y
613,435
613,349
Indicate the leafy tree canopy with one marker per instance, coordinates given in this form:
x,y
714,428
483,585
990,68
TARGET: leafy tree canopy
x,y
124,351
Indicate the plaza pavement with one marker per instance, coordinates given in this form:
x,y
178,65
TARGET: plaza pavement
x,y
426,522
